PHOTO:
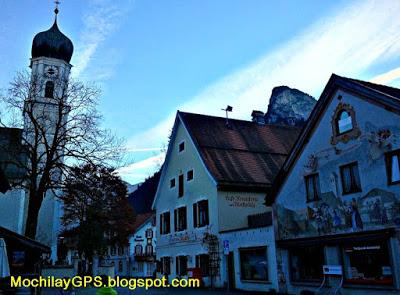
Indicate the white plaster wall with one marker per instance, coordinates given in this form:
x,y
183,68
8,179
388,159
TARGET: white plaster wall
x,y
202,187
234,207
257,237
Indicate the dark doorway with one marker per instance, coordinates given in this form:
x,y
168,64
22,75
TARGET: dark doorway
x,y
231,271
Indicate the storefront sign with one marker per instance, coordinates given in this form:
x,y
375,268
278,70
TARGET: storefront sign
x,y
241,201
333,270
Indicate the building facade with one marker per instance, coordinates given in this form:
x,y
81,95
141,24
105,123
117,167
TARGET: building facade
x,y
215,175
142,247
337,197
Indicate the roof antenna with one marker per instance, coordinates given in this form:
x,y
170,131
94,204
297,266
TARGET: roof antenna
x,y
56,9
227,109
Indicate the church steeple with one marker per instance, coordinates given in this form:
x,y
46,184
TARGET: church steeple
x,y
52,43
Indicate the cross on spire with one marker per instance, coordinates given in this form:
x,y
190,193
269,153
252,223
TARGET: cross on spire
x,y
56,9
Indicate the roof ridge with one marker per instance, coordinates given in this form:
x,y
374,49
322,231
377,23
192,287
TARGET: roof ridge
x,y
241,120
243,150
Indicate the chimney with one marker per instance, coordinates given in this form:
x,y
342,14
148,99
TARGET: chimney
x,y
258,117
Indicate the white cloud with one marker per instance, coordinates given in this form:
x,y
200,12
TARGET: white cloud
x,y
141,169
102,18
347,42
387,77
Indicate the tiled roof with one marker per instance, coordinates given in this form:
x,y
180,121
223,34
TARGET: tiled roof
x,y
141,219
242,154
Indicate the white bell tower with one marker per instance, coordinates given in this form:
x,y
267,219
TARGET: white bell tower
x,y
50,70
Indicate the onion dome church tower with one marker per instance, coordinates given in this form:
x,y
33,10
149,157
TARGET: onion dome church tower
x,y
50,69
51,56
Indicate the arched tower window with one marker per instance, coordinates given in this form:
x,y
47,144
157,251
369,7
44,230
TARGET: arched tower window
x,y
49,89
344,124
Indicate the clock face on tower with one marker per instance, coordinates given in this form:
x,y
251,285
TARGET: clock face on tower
x,y
51,71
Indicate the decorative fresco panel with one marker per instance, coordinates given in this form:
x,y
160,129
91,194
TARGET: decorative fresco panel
x,y
374,208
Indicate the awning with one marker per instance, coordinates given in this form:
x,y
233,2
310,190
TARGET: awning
x,y
338,239
10,236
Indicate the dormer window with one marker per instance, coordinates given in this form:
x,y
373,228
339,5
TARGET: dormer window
x,y
344,124
49,89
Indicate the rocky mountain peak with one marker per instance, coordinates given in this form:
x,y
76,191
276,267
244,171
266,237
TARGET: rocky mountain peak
x,y
289,106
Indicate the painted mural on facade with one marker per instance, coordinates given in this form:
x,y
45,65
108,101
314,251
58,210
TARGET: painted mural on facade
x,y
373,208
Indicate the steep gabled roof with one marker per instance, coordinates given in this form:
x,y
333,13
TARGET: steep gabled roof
x,y
141,219
243,155
380,95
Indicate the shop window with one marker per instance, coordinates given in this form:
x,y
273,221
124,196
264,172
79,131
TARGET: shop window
x,y
200,213
203,262
49,89
181,147
344,124
138,250
393,167
367,263
312,187
254,264
181,184
165,223
172,183
181,265
189,175
350,178
306,263
165,265
180,220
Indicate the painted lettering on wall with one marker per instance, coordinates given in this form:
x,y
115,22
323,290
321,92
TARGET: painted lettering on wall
x,y
241,201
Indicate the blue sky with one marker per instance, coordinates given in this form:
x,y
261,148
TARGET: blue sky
x,y
154,57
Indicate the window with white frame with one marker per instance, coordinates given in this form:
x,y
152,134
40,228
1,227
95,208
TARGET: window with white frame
x,y
180,219
200,213
393,167
165,223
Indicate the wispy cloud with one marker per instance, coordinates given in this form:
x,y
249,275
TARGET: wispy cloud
x,y
387,77
141,169
347,42
102,19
